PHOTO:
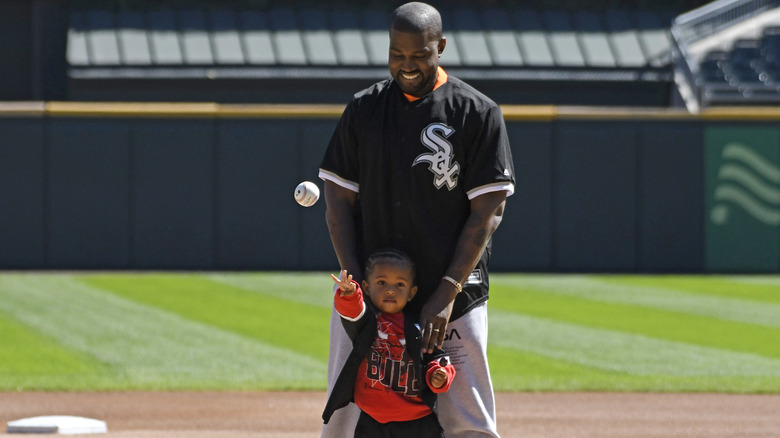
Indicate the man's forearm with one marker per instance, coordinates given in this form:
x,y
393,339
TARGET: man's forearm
x,y
340,218
484,220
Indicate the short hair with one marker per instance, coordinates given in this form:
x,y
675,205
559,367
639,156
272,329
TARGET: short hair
x,y
417,17
390,255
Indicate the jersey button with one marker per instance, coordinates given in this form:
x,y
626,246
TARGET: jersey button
x,y
397,203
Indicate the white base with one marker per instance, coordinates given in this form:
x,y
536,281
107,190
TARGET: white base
x,y
62,424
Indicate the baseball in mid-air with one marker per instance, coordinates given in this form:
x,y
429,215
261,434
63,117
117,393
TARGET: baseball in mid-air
x,y
307,193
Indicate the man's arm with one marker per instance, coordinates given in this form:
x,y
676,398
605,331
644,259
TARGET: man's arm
x,y
340,217
486,213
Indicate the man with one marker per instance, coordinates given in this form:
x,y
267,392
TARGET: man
x,y
421,163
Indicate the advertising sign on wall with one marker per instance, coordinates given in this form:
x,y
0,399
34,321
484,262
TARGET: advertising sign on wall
x,y
742,210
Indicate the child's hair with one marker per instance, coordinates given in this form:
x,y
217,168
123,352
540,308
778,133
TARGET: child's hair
x,y
390,254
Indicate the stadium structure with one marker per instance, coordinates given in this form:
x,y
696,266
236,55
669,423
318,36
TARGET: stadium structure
x,y
631,53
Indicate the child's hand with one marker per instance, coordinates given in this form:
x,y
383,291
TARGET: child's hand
x,y
345,284
439,378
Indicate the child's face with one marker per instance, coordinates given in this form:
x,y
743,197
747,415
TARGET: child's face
x,y
390,285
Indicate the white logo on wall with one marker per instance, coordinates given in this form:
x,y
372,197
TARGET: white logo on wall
x,y
440,162
749,181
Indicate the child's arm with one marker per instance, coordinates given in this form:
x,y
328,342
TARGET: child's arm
x,y
440,374
345,283
348,299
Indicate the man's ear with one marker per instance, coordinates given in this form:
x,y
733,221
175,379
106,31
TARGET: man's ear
x,y
412,293
442,44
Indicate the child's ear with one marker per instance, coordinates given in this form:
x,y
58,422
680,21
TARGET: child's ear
x,y
412,293
365,286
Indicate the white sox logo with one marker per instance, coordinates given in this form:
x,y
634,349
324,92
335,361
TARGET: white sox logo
x,y
440,162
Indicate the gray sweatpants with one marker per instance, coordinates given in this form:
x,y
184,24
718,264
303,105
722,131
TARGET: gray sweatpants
x,y
467,410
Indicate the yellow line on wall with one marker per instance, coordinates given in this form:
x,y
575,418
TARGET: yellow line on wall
x,y
512,113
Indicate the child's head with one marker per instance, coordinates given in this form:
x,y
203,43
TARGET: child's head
x,y
390,280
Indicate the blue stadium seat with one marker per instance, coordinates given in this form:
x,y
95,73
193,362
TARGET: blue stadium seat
x,y
624,38
594,41
287,37
563,41
376,36
77,52
226,38
316,36
165,48
348,38
133,39
532,39
194,35
500,37
655,37
257,38
467,29
101,38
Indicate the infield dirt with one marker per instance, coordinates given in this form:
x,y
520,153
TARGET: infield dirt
x,y
297,414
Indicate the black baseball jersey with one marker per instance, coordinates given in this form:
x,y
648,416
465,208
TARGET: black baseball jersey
x,y
415,167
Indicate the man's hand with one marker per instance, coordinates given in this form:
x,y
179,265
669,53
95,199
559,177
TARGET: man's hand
x,y
435,314
345,284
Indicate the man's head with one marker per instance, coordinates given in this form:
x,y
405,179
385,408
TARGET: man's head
x,y
416,42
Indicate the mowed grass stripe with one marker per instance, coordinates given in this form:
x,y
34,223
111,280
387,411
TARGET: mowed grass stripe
x,y
26,355
762,289
151,348
641,294
312,288
289,325
515,370
646,321
620,352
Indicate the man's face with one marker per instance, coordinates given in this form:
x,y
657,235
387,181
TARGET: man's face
x,y
414,60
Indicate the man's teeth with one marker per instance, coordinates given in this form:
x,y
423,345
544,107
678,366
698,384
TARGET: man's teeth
x,y
407,76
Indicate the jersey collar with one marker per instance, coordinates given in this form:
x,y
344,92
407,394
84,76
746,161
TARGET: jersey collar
x,y
441,78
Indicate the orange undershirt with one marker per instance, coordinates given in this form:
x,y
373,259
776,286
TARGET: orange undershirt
x,y
440,80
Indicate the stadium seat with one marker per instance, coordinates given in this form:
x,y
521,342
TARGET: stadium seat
x,y
594,41
256,36
165,48
226,38
467,29
317,37
532,39
376,37
287,37
102,39
500,37
195,41
654,37
348,39
77,53
563,41
624,38
133,39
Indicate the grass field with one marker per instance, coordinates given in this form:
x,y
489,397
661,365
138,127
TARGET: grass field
x,y
258,331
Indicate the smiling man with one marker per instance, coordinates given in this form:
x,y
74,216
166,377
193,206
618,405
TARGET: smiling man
x,y
421,163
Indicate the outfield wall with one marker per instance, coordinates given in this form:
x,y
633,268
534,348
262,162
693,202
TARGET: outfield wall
x,y
209,186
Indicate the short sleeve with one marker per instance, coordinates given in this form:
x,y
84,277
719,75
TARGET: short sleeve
x,y
490,161
340,163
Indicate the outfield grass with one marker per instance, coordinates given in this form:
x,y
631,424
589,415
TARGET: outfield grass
x,y
174,331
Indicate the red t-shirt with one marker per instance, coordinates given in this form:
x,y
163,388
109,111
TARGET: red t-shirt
x,y
387,386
